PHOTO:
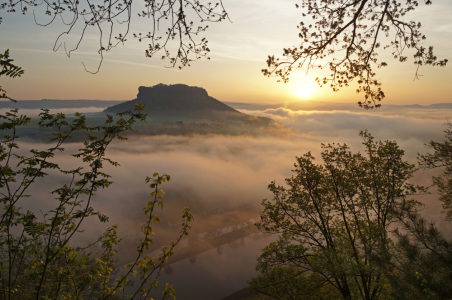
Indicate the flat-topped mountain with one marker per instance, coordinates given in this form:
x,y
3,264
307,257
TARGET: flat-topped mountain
x,y
183,109
178,101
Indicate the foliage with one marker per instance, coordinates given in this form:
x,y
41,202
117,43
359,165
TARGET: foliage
x,y
180,21
425,254
333,222
424,261
441,158
346,36
37,256
7,68
288,282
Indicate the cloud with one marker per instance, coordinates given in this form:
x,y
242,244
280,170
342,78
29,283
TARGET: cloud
x,y
216,172
416,125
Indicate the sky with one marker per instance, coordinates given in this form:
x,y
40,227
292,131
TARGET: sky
x,y
219,174
239,49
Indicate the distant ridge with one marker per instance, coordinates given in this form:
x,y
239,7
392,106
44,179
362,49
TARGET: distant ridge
x,y
329,106
178,101
298,105
54,104
439,105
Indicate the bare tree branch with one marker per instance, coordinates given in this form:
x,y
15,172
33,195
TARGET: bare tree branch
x,y
171,22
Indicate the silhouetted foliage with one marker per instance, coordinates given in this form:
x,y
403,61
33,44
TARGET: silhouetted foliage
x,y
347,36
333,222
178,21
441,158
8,69
38,258
424,261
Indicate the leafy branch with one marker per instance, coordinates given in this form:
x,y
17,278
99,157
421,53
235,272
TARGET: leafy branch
x,y
345,37
37,256
7,68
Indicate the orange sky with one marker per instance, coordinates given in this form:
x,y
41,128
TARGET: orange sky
x,y
239,50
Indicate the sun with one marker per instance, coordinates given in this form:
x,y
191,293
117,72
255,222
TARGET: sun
x,y
304,92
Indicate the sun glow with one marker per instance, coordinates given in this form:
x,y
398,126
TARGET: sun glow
x,y
304,92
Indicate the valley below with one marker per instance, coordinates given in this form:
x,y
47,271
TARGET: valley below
x,y
220,166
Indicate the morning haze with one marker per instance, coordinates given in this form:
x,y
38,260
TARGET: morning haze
x,y
223,176
228,137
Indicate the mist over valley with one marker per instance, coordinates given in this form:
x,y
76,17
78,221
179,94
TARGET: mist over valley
x,y
221,159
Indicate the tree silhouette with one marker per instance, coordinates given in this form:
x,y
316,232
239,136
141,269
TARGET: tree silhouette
x,y
39,258
333,221
178,21
346,36
8,69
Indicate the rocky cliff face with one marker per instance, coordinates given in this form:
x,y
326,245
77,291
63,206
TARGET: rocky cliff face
x,y
174,89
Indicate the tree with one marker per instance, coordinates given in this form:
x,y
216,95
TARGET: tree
x,y
346,36
38,259
169,20
37,256
425,259
441,158
426,255
7,68
334,222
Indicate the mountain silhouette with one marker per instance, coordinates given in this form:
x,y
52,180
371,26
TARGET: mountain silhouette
x,y
183,109
179,101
